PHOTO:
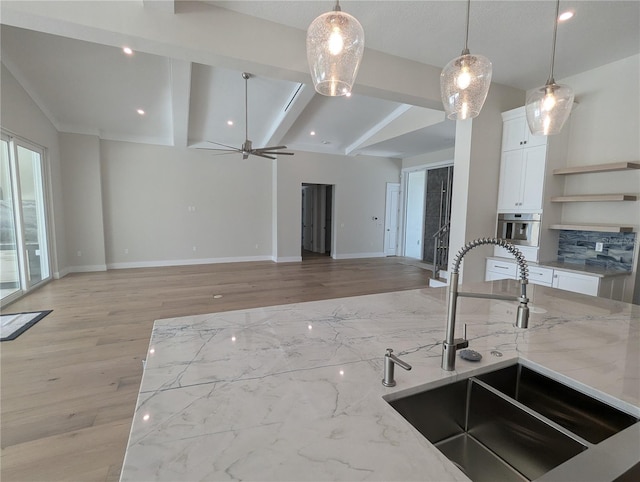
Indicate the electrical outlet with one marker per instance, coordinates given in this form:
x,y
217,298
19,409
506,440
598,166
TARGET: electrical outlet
x,y
126,250
599,247
79,253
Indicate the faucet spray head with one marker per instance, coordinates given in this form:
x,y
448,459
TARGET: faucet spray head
x,y
522,317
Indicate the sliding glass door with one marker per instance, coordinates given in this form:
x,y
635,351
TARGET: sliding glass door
x,y
24,251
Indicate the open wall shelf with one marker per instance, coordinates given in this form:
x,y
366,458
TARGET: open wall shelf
x,y
594,198
603,228
611,166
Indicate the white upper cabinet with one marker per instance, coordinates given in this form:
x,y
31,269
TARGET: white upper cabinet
x,y
522,180
522,166
516,133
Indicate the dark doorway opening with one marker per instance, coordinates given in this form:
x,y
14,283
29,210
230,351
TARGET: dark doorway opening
x,y
316,220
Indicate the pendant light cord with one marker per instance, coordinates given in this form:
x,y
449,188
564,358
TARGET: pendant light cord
x,y
553,50
466,38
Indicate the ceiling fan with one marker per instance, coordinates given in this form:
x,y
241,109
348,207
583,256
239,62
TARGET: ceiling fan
x,y
247,149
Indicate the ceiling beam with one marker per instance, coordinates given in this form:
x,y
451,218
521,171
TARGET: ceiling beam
x,y
298,101
180,95
403,120
168,6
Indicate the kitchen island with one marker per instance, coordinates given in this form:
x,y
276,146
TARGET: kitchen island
x,y
294,392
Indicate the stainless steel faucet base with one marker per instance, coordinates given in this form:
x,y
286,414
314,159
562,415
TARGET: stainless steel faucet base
x,y
451,344
390,360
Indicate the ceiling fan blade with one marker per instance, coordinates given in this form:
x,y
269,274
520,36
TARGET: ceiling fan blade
x,y
260,154
272,148
223,145
279,153
220,151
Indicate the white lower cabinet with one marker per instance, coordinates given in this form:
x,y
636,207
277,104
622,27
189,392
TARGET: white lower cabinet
x,y
497,270
539,275
588,284
578,283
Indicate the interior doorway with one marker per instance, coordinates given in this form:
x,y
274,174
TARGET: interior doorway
x,y
316,220
427,213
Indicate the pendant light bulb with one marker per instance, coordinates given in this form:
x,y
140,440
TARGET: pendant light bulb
x,y
548,107
465,82
335,44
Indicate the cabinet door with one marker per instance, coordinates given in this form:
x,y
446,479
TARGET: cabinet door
x,y
511,169
533,178
534,141
497,270
514,134
578,283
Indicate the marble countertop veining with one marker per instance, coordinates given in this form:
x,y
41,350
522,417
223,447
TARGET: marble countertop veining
x,y
294,392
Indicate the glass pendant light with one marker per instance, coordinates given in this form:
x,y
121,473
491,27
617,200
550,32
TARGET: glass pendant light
x,y
548,107
335,44
464,82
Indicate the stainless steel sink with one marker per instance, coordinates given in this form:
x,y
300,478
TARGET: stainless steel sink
x,y
511,424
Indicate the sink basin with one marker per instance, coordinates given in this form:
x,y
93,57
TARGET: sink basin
x,y
581,414
510,424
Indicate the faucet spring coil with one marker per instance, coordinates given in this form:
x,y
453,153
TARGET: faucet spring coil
x,y
524,270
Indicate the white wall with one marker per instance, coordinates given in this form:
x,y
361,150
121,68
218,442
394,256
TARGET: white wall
x,y
359,195
82,201
428,158
22,117
148,192
605,127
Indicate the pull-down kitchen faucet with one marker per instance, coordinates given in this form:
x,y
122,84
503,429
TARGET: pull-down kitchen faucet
x,y
451,344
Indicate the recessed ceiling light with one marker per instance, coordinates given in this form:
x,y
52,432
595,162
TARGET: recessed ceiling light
x,y
564,16
140,111
312,133
348,94
127,50
229,122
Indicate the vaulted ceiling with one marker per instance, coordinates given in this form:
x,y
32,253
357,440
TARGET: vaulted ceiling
x,y
91,87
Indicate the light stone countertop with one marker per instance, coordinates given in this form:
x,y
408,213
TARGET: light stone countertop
x,y
293,392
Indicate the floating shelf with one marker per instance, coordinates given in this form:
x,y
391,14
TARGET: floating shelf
x,y
593,197
615,166
602,228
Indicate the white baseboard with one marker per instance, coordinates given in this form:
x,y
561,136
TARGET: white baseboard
x,y
360,255
185,262
89,268
287,259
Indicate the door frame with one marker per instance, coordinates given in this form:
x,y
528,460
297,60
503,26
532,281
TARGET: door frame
x,y
404,181
26,286
388,217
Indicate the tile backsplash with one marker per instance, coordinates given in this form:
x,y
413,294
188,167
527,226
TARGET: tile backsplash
x,y
579,247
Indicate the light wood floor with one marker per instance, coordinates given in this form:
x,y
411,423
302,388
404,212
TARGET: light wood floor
x,y
69,384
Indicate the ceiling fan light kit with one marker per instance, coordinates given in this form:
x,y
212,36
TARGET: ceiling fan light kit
x,y
548,107
465,82
247,148
335,44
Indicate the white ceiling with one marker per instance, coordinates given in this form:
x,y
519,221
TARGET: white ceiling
x,y
87,87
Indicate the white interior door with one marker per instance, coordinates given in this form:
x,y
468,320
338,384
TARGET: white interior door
x,y
391,219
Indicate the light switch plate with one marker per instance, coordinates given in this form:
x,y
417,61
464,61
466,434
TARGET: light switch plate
x,y
599,247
